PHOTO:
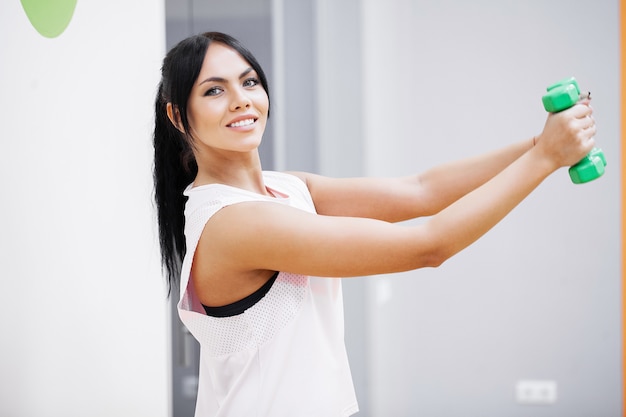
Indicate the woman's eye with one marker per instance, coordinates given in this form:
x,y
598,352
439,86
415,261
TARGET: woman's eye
x,y
251,82
213,91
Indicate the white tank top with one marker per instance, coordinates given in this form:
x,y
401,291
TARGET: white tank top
x,y
283,357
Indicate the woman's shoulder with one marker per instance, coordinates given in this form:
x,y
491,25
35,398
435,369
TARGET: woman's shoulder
x,y
286,176
295,180
292,184
205,200
212,194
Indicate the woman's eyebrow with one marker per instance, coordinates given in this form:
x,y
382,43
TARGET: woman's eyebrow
x,y
223,80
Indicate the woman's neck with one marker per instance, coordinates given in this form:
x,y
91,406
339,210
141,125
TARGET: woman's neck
x,y
241,172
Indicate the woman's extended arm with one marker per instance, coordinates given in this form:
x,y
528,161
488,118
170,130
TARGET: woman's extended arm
x,y
266,236
397,199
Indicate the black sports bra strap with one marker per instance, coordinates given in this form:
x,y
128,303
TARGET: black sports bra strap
x,y
242,305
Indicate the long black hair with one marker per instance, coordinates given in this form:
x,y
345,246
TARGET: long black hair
x,y
174,163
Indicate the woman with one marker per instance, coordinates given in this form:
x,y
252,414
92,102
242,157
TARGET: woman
x,y
255,251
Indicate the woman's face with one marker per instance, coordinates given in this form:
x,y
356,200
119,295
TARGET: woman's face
x,y
227,107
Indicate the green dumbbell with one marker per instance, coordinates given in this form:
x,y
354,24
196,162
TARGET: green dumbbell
x,y
563,95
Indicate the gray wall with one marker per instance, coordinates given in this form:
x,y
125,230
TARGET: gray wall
x,y
539,297
404,85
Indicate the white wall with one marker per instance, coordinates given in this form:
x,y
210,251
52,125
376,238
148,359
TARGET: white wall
x,y
83,316
538,297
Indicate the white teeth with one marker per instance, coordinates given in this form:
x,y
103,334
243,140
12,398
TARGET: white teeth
x,y
240,123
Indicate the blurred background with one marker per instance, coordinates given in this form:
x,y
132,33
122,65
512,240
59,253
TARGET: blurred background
x,y
526,322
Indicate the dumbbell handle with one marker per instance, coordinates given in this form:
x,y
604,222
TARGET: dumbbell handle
x,y
563,95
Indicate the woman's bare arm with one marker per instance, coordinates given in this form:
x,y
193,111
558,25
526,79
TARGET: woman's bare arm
x,y
246,238
403,198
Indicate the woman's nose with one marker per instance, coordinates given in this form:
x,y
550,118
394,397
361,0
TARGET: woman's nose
x,y
240,100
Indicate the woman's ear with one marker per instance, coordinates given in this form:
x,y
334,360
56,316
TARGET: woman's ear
x,y
174,115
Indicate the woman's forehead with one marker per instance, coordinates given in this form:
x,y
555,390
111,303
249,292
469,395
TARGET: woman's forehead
x,y
222,60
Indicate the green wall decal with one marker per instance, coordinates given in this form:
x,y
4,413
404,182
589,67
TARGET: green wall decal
x,y
49,17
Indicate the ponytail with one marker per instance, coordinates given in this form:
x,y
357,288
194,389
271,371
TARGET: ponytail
x,y
174,170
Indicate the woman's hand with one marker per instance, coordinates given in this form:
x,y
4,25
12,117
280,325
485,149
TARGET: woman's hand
x,y
568,135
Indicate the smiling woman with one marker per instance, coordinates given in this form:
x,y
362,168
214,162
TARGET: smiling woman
x,y
227,113
257,254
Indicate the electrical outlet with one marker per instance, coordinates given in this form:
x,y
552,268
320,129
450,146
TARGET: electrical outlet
x,y
536,392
